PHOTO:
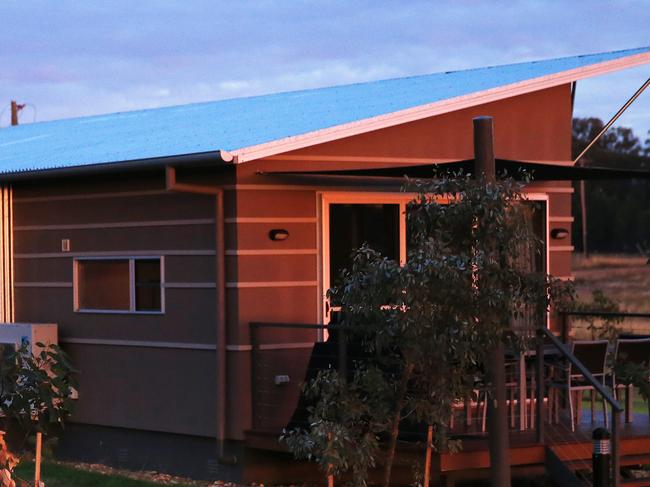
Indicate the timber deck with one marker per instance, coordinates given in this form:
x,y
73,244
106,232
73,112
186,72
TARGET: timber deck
x,y
527,456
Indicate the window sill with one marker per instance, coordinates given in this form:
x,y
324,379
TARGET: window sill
x,y
117,312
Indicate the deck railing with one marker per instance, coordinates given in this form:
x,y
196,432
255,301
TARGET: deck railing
x,y
604,392
545,334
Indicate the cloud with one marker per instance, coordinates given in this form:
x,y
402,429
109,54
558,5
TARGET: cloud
x,y
74,58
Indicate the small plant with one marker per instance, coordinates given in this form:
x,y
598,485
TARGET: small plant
x,y
37,390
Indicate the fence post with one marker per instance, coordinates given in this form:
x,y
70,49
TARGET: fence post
x,y
601,458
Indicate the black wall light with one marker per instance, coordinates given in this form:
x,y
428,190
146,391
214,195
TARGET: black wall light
x,y
278,234
559,233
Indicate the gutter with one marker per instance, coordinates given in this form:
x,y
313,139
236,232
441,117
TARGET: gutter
x,y
196,160
220,261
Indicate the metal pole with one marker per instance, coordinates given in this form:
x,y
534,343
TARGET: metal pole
x,y
613,119
539,363
616,450
499,448
343,354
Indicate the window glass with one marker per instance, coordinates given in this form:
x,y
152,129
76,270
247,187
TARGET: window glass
x,y
352,225
147,285
104,284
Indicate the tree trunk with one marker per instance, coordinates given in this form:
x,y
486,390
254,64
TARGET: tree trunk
x,y
390,456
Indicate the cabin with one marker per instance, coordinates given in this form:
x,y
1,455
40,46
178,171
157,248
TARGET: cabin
x,y
179,249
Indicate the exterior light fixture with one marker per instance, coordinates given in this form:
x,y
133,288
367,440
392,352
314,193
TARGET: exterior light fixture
x,y
278,234
559,233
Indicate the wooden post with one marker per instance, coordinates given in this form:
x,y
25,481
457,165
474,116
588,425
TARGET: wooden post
x,y
15,108
37,463
498,441
427,459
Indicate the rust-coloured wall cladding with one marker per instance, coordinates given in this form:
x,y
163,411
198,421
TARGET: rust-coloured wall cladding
x,y
534,126
255,268
560,265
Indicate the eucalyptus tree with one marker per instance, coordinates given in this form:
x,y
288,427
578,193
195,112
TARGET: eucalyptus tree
x,y
421,331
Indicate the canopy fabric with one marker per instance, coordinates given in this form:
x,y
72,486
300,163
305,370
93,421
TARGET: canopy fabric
x,y
516,169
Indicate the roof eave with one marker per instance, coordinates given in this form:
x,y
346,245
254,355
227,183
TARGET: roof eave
x,y
200,159
437,108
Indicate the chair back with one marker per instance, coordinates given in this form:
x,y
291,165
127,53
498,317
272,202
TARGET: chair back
x,y
592,354
634,350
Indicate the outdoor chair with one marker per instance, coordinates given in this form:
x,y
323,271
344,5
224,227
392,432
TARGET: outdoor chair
x,y
593,355
512,387
635,351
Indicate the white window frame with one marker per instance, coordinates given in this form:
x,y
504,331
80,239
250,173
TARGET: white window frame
x,y
131,259
402,199
345,197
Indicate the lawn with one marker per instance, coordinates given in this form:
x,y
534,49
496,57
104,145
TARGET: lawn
x,y
60,475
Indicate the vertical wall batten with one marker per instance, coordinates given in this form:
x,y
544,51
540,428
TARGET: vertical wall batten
x,y
6,257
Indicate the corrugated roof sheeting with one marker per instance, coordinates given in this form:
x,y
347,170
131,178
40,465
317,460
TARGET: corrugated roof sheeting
x,y
243,122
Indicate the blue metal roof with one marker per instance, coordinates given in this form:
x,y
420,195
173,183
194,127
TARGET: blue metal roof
x,y
243,122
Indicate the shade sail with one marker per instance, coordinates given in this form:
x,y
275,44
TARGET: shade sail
x,y
517,169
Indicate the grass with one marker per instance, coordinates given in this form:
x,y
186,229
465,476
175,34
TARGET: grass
x,y
639,405
60,475
623,278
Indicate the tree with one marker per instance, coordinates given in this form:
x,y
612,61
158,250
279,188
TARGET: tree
x,y
37,390
421,331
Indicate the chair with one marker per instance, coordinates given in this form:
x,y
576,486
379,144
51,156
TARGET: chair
x,y
512,387
593,355
629,351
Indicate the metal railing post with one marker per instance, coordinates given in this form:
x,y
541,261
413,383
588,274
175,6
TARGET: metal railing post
x,y
616,448
539,363
343,353
254,360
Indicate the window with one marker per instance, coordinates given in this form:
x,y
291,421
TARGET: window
x,y
131,285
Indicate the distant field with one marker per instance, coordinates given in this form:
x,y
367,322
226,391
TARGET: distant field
x,y
623,278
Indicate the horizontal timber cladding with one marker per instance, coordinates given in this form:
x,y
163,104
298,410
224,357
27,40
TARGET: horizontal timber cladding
x,y
560,204
270,204
560,265
272,304
152,386
195,237
135,208
189,316
154,389
257,236
265,268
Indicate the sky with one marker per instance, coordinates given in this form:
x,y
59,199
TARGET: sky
x,y
73,58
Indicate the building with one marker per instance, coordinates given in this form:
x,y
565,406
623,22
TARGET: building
x,y
154,238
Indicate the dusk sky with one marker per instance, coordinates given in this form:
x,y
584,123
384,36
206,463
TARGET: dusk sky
x,y
71,58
